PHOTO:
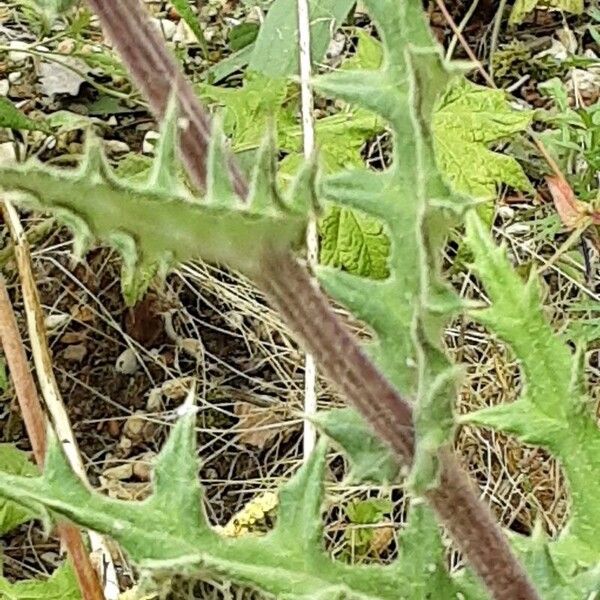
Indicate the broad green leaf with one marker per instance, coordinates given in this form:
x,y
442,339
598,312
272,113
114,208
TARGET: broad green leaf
x,y
522,8
242,35
355,242
468,119
276,49
15,462
62,585
12,118
368,55
247,111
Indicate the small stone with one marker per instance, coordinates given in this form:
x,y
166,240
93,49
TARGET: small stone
x,y
119,472
506,213
14,76
14,55
192,347
75,352
138,429
518,229
54,322
154,402
7,153
176,389
127,362
165,27
51,558
4,87
66,46
74,337
116,147
184,35
149,142
142,467
114,428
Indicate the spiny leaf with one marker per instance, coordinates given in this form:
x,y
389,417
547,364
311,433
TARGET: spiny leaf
x,y
370,460
181,226
522,8
467,120
552,410
169,531
407,198
62,585
16,462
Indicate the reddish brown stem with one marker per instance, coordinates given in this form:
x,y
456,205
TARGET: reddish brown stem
x,y
35,424
307,311
127,25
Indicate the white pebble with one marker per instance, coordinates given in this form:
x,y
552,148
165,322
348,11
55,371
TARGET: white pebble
x,y
127,363
149,142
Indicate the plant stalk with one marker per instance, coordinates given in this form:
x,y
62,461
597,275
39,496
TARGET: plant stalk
x,y
310,316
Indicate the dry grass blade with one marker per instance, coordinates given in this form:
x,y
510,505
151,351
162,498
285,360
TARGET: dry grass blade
x,y
35,423
47,381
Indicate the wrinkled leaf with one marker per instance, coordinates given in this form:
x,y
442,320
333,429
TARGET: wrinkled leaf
x,y
15,462
355,242
468,119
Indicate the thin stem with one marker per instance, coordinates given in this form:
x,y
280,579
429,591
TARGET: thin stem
x,y
312,237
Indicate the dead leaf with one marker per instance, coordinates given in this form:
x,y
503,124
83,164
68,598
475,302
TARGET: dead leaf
x,y
572,212
255,424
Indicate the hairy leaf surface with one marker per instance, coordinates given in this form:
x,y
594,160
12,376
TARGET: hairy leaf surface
x,y
15,462
62,585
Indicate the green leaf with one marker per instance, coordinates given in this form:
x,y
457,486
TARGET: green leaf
x,y
278,35
553,410
367,512
404,309
355,242
119,216
15,462
247,111
12,118
186,13
370,459
62,585
242,35
468,119
169,531
522,8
